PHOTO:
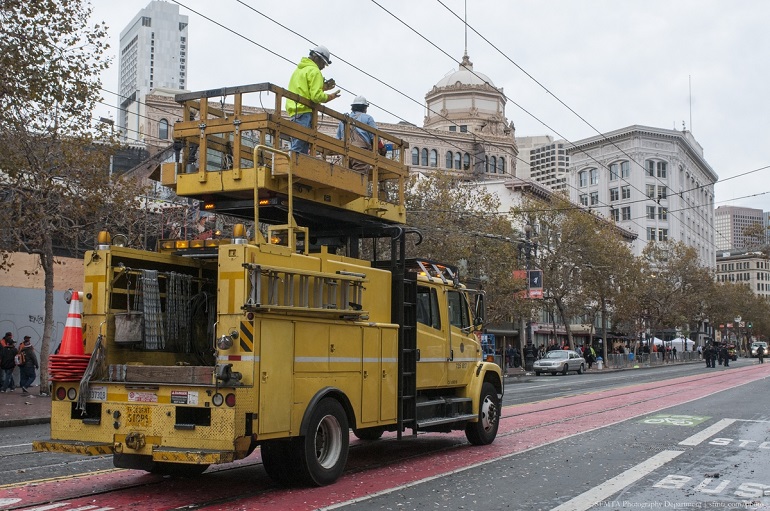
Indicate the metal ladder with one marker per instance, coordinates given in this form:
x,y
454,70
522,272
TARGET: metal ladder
x,y
272,288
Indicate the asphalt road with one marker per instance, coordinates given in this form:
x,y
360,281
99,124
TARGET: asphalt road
x,y
679,437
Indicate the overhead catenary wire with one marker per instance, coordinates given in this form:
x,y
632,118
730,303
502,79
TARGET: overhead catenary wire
x,y
431,134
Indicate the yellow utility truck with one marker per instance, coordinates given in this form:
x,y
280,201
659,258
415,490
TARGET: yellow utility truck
x,y
285,336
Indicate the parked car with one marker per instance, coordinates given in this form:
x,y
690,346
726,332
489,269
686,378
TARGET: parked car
x,y
560,361
757,344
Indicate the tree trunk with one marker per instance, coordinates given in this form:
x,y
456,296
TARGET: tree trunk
x,y
46,261
604,328
567,327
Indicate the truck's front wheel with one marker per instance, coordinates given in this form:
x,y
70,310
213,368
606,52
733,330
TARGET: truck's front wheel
x,y
323,451
484,431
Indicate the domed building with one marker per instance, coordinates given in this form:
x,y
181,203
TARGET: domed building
x,y
469,100
464,130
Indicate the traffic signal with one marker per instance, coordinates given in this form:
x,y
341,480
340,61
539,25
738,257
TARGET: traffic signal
x,y
748,324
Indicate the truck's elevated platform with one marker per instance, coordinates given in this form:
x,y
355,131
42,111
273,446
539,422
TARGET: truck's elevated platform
x,y
221,162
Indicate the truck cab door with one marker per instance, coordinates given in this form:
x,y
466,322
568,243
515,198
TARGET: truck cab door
x,y
432,332
462,353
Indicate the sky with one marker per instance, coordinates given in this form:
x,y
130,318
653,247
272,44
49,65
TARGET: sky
x,y
699,64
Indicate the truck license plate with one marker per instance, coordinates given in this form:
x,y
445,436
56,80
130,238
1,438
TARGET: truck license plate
x,y
138,416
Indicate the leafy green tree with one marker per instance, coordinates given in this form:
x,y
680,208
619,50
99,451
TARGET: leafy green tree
x,y
583,258
56,183
675,288
461,226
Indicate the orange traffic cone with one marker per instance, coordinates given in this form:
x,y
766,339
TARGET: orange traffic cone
x,y
72,338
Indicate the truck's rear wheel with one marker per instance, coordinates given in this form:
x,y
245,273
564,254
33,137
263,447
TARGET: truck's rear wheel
x,y
369,433
276,458
323,451
484,431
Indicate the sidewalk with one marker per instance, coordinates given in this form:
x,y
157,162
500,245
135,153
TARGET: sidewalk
x,y
17,409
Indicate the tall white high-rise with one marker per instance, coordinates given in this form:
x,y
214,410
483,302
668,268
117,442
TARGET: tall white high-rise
x,y
153,55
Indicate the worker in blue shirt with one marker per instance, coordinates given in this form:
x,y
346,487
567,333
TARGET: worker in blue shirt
x,y
357,136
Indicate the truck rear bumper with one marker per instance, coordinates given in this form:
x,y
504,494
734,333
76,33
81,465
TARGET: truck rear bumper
x,y
83,448
162,454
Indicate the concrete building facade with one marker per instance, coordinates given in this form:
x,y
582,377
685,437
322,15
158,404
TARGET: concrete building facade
x,y
730,223
653,181
749,268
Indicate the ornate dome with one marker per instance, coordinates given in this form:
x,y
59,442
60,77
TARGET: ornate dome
x,y
465,75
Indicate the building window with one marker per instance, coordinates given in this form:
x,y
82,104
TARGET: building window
x,y
582,179
463,128
182,26
626,213
662,192
662,169
625,192
614,171
615,213
433,158
493,165
662,213
147,21
453,128
651,212
415,156
651,234
163,129
625,169
662,234
594,174
449,158
584,199
614,194
651,191
424,159
466,161
458,159
650,168
501,165
594,198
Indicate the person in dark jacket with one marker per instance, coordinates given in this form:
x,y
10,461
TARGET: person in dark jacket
x,y
8,363
27,369
724,355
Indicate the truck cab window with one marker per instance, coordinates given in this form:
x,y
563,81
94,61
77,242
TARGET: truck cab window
x,y
458,310
427,307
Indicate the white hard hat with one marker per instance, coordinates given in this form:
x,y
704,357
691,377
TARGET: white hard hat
x,y
360,100
323,52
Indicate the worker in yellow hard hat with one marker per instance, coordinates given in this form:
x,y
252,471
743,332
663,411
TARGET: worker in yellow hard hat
x,y
308,82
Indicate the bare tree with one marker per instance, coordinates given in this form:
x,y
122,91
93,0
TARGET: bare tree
x,y
54,167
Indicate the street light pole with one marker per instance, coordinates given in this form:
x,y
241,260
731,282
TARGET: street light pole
x,y
529,350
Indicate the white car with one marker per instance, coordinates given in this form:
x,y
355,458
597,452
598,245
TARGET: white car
x,y
755,346
560,361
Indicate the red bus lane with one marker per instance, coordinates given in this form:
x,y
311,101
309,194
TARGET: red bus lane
x,y
373,467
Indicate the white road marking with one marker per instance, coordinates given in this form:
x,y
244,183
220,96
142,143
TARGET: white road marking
x,y
608,488
710,431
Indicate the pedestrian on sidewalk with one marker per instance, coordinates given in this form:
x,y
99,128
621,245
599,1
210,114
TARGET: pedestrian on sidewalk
x,y
28,364
8,363
761,354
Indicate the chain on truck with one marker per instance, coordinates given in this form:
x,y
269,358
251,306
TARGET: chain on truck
x,y
287,340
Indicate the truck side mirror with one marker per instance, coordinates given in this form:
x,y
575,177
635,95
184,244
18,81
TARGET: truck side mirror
x,y
479,311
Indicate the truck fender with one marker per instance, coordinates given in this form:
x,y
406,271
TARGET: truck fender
x,y
322,393
486,371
